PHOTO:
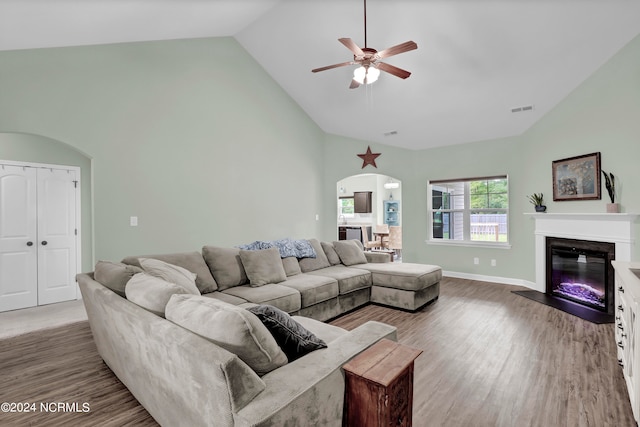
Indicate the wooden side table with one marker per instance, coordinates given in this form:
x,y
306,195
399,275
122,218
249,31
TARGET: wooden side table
x,y
379,386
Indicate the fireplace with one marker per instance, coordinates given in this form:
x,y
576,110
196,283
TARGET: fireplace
x,y
615,231
580,271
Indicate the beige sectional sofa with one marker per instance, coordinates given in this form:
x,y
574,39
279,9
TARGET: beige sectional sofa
x,y
183,376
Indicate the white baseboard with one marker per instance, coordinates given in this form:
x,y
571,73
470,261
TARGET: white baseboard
x,y
494,279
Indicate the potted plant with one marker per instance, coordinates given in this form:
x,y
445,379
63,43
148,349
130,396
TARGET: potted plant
x,y
610,183
538,201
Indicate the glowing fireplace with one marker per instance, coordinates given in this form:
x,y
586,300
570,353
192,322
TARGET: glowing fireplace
x,y
580,271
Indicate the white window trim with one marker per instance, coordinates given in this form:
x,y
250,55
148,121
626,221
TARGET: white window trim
x,y
466,242
340,214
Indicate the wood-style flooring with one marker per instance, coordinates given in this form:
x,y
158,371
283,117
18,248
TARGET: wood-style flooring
x,y
494,358
491,358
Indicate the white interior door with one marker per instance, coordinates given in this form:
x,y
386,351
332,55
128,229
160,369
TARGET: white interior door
x,y
56,235
18,249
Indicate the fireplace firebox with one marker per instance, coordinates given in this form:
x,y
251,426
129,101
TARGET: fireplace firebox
x,y
580,271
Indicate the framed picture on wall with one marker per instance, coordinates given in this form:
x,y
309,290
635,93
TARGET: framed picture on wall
x,y
577,178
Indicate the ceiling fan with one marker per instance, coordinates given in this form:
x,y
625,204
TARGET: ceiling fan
x,y
369,59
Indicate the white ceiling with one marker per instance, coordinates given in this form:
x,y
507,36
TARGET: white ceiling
x,y
476,60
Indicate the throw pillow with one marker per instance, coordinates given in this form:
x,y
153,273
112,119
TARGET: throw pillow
x,y
263,266
286,247
316,263
151,293
291,266
256,246
171,273
330,252
225,265
304,249
192,261
232,328
293,338
349,252
114,275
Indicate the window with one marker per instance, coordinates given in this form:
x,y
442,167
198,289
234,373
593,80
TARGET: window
x,y
470,210
346,207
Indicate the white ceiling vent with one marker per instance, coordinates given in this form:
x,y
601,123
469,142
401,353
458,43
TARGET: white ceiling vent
x,y
522,109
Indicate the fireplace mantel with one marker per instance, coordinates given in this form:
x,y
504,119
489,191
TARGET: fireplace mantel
x,y
601,227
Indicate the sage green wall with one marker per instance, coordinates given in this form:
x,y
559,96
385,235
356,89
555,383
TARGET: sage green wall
x,y
38,149
195,139
191,136
602,114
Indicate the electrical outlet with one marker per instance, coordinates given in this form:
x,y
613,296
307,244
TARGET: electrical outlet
x,y
476,261
493,263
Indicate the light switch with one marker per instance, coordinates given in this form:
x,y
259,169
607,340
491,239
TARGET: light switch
x,y
133,221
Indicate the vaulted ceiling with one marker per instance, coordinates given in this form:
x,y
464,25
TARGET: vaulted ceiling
x,y
475,62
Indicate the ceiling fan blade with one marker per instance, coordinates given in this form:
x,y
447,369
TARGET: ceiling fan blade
x,y
352,46
395,50
398,72
354,84
328,67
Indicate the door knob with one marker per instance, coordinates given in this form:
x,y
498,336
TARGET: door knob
x,y
44,243
29,243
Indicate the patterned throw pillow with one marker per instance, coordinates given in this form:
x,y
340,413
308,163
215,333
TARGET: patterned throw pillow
x,y
304,249
286,247
293,338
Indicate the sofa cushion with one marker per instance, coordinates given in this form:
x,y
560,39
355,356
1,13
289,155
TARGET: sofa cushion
x,y
263,266
320,261
349,278
330,252
192,261
152,293
349,252
313,289
232,328
291,266
171,273
225,265
293,338
283,297
115,275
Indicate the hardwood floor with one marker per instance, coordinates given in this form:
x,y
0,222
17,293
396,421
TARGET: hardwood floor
x,y
62,365
491,358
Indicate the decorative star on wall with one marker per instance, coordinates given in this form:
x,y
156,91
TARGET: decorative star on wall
x,y
369,158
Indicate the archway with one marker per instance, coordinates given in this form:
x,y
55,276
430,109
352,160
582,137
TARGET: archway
x,y
368,203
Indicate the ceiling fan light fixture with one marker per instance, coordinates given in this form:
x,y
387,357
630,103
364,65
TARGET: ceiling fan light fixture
x,y
366,75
